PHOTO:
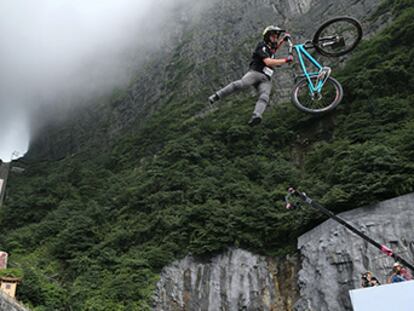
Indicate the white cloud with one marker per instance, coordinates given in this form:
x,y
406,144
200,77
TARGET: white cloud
x,y
53,48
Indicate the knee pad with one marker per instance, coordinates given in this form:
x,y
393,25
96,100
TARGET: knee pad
x,y
264,98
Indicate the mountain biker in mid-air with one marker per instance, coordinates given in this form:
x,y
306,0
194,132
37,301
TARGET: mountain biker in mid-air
x,y
260,72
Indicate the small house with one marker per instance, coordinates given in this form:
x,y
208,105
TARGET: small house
x,y
9,285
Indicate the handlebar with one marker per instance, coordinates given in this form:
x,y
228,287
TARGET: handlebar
x,y
307,45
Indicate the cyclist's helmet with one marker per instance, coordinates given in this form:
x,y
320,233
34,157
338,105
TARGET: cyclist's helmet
x,y
269,30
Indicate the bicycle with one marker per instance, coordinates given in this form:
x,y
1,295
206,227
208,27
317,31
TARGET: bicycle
x,y
318,92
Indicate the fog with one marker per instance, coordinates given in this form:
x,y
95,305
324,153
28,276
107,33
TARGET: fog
x,y
53,51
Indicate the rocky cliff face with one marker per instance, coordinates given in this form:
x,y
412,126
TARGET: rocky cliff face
x,y
235,280
333,258
331,262
207,48
9,304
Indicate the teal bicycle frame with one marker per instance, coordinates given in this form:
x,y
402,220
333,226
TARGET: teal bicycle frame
x,y
322,74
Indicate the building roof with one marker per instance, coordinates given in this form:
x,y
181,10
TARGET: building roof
x,y
10,279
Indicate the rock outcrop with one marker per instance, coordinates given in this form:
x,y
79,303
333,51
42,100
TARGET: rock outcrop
x,y
9,304
235,280
331,262
333,258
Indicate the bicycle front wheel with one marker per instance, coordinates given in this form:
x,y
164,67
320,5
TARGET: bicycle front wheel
x,y
317,103
337,36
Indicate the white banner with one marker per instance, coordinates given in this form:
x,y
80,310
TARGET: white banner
x,y
1,185
396,296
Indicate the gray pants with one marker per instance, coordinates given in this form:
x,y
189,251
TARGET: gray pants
x,y
260,81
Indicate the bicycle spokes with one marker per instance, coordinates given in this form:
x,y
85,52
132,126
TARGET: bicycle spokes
x,y
338,36
317,99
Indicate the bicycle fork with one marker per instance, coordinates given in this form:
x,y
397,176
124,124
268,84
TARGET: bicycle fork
x,y
322,76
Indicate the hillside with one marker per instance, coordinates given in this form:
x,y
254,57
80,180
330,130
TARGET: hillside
x,y
93,229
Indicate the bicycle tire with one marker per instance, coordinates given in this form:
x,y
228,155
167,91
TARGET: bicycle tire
x,y
354,26
314,106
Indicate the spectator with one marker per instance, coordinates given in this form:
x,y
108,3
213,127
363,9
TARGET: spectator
x,y
397,273
374,282
406,274
367,279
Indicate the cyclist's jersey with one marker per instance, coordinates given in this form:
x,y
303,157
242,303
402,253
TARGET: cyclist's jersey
x,y
261,52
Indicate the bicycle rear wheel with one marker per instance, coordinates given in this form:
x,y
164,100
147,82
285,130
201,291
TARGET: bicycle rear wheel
x,y
337,36
329,97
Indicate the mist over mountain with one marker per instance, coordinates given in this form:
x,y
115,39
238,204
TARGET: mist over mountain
x,y
63,54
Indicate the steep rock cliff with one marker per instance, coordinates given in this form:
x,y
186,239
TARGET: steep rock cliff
x,y
9,304
333,258
330,262
235,280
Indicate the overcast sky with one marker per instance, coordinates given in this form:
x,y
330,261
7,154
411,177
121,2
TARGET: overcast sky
x,y
50,49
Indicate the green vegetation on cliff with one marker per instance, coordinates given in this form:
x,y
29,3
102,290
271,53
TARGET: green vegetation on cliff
x,y
93,233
